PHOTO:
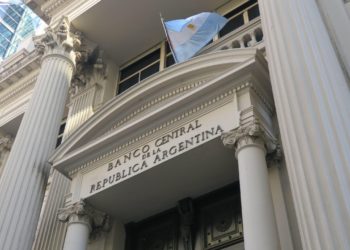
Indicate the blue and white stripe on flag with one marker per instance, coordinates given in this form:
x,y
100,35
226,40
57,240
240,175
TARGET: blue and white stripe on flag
x,y
188,36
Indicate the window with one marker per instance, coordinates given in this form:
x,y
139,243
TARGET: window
x,y
139,70
145,66
240,16
169,60
60,133
161,57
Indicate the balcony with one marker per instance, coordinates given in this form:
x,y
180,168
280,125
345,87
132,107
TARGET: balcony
x,y
248,35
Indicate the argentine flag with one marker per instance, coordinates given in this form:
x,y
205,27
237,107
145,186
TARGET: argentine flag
x,y
188,36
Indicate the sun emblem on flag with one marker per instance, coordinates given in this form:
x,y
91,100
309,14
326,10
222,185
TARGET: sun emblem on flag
x,y
191,26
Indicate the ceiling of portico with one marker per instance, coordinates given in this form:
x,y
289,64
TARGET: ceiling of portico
x,y
192,174
126,28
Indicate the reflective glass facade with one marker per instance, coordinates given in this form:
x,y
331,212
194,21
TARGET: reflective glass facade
x,y
16,23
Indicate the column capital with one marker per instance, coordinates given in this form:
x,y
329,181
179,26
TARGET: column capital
x,y
253,133
81,212
89,72
60,41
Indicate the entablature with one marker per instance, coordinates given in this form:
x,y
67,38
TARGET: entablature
x,y
18,66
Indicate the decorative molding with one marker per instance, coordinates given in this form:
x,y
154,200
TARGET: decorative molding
x,y
222,224
81,212
6,142
251,133
16,66
131,103
276,156
51,5
157,100
17,91
89,72
190,112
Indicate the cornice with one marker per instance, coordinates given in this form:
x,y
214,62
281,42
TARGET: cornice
x,y
239,71
19,69
16,92
50,6
153,85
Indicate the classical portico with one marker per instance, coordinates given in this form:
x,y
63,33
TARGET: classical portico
x,y
178,156
171,141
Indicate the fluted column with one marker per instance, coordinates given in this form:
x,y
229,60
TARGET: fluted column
x,y
337,20
312,100
5,146
25,174
82,220
259,223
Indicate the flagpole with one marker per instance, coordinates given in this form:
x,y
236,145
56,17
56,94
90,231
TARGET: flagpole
x,y
167,37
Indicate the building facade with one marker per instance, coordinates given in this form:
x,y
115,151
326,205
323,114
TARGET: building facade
x,y
17,22
107,144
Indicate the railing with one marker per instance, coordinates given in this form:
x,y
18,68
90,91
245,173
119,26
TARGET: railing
x,y
246,36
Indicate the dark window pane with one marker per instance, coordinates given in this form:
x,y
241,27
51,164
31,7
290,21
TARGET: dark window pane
x,y
231,25
240,8
253,12
59,141
167,47
128,83
143,62
63,125
169,61
149,71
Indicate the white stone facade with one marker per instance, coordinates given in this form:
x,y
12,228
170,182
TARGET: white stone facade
x,y
245,146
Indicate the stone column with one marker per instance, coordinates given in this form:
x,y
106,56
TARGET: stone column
x,y
25,175
5,147
259,224
312,99
82,220
337,20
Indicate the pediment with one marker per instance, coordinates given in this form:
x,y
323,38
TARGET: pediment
x,y
140,109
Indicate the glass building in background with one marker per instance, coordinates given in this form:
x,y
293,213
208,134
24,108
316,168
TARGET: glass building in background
x,y
17,22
